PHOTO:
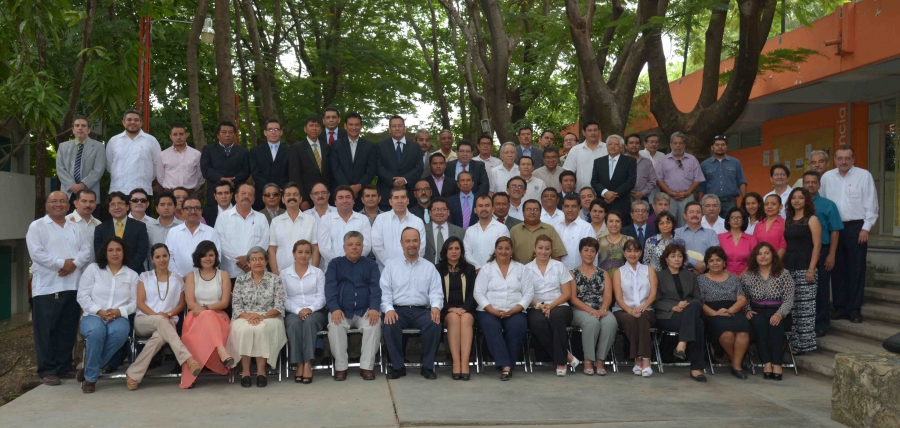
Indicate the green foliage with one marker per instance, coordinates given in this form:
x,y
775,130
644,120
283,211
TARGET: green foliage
x,y
776,61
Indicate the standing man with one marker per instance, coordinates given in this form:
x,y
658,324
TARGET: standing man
x,y
440,184
572,230
712,210
724,176
225,161
569,141
138,203
651,149
289,228
269,162
524,234
830,218
179,165
526,148
818,162
240,229
779,174
334,226
132,231
550,214
566,185
411,297
679,175
159,231
533,185
515,188
308,161
353,160
645,182
486,156
58,253
481,237
462,205
333,132
320,196
131,156
399,164
549,173
423,194
507,168
445,144
546,140
80,163
183,239
464,151
697,239
614,177
853,191
639,228
580,159
423,139
272,201
223,202
501,211
439,230
387,228
83,219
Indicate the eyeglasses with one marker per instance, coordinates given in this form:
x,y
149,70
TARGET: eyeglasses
x,y
640,211
532,210
273,129
516,186
140,201
680,165
736,218
117,204
271,195
320,193
423,189
439,210
192,209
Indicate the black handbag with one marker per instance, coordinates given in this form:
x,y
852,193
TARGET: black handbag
x,y
892,343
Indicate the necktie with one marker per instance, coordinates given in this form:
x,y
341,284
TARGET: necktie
x,y
641,235
274,152
463,167
612,167
427,216
315,148
439,243
77,174
120,228
399,152
467,211
587,216
330,137
227,151
500,219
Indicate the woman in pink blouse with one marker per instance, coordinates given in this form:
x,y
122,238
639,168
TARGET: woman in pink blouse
x,y
771,229
736,242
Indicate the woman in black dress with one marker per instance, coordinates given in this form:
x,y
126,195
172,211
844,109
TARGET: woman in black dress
x,y
803,234
458,314
723,304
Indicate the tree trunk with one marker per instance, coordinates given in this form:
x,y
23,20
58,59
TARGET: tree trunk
x,y
224,75
86,31
193,71
242,66
267,104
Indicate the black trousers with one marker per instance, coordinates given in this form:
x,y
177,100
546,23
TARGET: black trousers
x,y
769,338
823,293
689,326
412,317
849,273
55,321
551,332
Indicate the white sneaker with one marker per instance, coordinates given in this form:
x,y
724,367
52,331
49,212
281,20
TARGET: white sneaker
x,y
636,370
647,372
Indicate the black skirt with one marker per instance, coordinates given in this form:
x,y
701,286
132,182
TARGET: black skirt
x,y
736,323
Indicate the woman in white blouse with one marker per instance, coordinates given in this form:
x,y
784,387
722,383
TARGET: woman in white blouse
x,y
635,288
549,314
503,290
304,292
159,299
106,295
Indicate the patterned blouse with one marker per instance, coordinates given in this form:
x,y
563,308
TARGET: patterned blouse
x,y
714,291
260,298
654,248
602,232
774,288
590,290
612,256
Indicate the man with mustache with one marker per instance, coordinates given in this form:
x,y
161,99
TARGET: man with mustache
x,y
697,239
679,174
289,228
240,229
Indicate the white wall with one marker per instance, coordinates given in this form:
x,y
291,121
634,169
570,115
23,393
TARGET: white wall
x,y
16,204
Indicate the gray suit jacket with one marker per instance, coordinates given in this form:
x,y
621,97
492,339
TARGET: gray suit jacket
x,y
537,155
667,295
431,253
509,222
93,165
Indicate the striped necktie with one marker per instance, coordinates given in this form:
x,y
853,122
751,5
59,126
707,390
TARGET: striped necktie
x,y
77,174
315,148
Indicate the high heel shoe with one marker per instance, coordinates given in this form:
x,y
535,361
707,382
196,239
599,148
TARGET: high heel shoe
x,y
768,375
776,376
456,376
465,376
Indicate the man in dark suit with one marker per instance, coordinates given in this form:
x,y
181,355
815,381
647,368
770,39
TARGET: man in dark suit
x,y
132,231
501,210
353,160
223,201
224,161
463,162
332,131
308,162
399,162
438,230
269,162
421,207
441,185
640,229
462,205
615,188
527,148
567,184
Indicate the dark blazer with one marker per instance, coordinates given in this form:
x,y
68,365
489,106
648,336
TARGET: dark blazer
x,y
323,137
138,243
511,222
265,170
631,230
448,189
667,295
469,303
265,212
410,168
537,155
347,169
622,182
431,252
303,169
214,165
415,209
210,214
479,176
456,211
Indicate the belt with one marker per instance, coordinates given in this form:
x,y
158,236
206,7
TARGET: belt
x,y
727,199
854,222
410,307
768,304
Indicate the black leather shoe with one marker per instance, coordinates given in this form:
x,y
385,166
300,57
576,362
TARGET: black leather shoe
x,y
856,318
465,376
246,382
680,355
261,381
397,374
428,374
821,333
456,376
699,378
767,376
738,374
777,376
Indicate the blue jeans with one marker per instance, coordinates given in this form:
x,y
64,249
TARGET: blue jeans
x,y
101,341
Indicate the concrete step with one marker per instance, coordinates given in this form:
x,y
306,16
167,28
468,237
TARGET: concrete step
x,y
882,312
837,342
880,294
871,329
817,362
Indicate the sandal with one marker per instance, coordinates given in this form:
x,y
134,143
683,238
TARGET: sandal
x,y
298,379
306,380
601,372
587,371
561,372
636,370
131,383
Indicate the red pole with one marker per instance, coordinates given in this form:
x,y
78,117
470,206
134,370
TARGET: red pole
x,y
237,119
143,78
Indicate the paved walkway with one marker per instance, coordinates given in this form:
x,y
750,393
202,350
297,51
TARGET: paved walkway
x,y
539,399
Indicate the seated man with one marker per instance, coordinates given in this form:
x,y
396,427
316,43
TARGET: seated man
x,y
353,296
411,297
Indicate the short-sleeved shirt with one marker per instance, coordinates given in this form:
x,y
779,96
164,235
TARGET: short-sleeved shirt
x,y
723,177
773,235
829,217
679,178
523,241
547,285
715,291
696,242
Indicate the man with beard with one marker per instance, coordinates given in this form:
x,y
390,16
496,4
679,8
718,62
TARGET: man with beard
x,y
131,156
678,175
423,192
83,218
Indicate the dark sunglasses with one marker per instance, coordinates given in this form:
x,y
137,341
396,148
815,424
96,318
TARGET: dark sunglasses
x,y
140,201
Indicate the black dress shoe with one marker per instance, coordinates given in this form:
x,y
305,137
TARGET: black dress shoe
x,y
428,374
776,376
246,382
856,318
397,374
738,374
680,355
261,381
465,376
767,376
108,370
821,333
699,378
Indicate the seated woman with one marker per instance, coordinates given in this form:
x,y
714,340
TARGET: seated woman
x,y
304,289
723,301
106,295
678,308
257,327
458,314
207,291
736,242
160,300
591,302
610,256
665,224
503,290
634,285
549,315
770,291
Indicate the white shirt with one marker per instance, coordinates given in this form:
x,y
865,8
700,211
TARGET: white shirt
x,y
533,188
332,229
312,211
719,226
479,242
238,235
146,220
410,284
49,246
854,194
156,295
501,176
515,211
182,243
635,285
571,236
552,219
303,292
655,158
784,200
580,160
547,285
99,289
283,233
489,166
86,227
386,235
491,288
132,163
613,162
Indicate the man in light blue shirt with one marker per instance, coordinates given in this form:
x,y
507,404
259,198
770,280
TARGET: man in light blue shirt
x,y
724,176
697,239
830,218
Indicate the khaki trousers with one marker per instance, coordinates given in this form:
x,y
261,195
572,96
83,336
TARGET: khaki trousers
x,y
337,337
162,332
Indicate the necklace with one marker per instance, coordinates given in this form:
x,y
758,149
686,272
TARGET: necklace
x,y
158,292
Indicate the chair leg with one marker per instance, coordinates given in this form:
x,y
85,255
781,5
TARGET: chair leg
x,y
787,342
712,365
659,361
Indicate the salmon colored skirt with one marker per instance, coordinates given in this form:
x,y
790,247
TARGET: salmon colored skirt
x,y
201,335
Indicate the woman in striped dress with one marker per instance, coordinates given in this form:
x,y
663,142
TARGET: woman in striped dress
x,y
803,234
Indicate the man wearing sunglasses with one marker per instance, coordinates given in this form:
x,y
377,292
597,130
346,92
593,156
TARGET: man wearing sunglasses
x,y
724,176
678,175
138,203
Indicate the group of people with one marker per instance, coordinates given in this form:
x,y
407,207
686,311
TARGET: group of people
x,y
530,241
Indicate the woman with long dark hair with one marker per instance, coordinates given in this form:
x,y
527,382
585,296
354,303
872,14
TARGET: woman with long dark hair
x,y
458,314
723,301
803,234
752,204
770,291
